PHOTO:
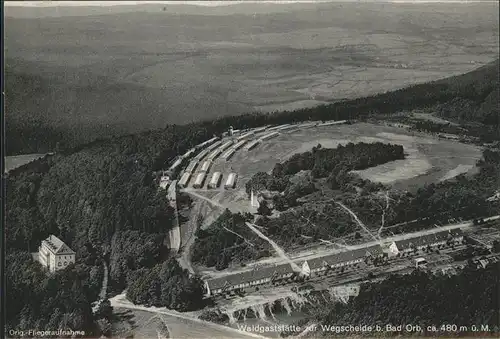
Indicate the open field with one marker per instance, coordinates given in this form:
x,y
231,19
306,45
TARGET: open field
x,y
15,161
428,159
140,69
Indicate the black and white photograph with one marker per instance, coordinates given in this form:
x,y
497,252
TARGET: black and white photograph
x,y
250,169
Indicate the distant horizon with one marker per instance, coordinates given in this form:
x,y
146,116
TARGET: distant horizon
x,y
216,3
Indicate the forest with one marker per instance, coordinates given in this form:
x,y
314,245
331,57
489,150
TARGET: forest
x,y
228,240
36,300
103,201
166,285
468,298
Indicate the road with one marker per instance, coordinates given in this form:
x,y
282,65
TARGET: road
x,y
104,287
208,329
199,196
174,234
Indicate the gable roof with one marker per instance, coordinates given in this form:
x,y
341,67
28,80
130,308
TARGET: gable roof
x,y
57,246
332,259
249,276
429,239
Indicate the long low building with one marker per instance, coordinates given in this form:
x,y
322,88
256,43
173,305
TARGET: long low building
x,y
215,181
226,145
231,181
244,136
214,145
228,154
275,128
214,154
239,144
334,262
183,182
252,145
202,154
432,240
269,136
207,142
200,178
206,166
259,129
329,123
285,128
175,164
192,166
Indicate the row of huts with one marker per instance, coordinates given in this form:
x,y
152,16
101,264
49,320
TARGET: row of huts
x,y
341,260
205,158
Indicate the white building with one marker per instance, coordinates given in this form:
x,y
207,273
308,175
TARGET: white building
x,y
54,254
254,202
391,249
229,153
206,166
269,136
252,145
185,179
198,183
231,181
215,181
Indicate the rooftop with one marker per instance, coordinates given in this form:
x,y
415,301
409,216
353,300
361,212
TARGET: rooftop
x,y
332,259
57,246
429,239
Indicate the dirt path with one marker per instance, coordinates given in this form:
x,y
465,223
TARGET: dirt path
x,y
104,287
188,237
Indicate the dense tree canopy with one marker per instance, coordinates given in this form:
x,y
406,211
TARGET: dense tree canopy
x,y
166,284
469,298
227,240
36,300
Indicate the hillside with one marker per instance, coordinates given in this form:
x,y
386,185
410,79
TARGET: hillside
x,y
85,73
477,96
102,200
468,98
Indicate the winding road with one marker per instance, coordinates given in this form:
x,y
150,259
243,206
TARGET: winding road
x,y
209,329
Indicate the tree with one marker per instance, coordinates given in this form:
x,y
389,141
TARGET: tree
x,y
105,310
264,209
105,327
496,246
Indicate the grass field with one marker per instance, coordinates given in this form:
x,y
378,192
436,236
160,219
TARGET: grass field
x,y
428,160
135,69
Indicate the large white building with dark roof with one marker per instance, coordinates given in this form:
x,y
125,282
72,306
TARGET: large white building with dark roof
x,y
350,259
54,254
